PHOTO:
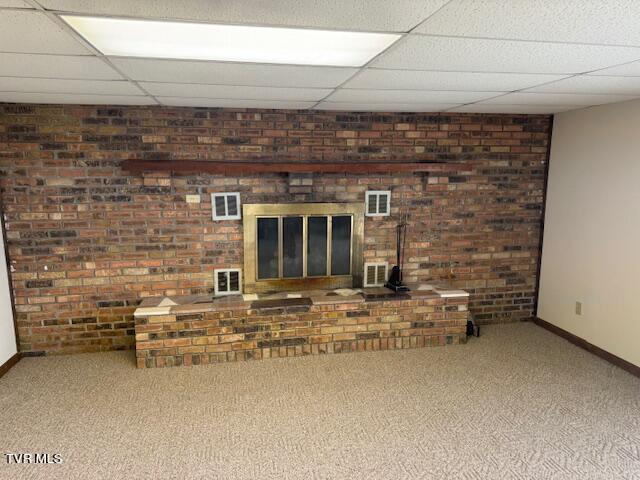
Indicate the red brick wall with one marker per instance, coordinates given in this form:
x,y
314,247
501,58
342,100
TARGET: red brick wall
x,y
108,238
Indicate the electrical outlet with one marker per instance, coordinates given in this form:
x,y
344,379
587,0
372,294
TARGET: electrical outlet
x,y
578,308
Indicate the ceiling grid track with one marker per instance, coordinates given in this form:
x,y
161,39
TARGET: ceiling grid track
x,y
388,49
97,53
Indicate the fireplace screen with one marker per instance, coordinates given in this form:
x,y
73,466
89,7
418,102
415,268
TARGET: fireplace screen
x,y
304,246
289,246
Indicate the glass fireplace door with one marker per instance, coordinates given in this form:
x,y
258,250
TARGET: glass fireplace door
x,y
292,248
300,246
317,248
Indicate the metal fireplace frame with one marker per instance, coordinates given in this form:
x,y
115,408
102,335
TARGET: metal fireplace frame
x,y
251,213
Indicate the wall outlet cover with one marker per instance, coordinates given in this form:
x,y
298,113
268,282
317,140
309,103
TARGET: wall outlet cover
x,y
578,308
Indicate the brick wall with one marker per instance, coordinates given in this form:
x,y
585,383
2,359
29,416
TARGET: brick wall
x,y
87,241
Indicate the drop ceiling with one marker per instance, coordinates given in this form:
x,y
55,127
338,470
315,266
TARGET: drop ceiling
x,y
493,56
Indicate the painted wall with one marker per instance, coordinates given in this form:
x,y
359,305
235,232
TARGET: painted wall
x,y
591,248
7,331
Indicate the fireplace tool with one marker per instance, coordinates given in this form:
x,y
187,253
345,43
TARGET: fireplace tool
x,y
395,279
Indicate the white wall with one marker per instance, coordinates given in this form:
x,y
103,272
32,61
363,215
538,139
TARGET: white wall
x,y
591,248
7,330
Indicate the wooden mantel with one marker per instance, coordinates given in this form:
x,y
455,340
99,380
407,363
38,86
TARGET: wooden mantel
x,y
240,168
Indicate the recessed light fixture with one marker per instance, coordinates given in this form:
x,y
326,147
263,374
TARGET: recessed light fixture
x,y
232,43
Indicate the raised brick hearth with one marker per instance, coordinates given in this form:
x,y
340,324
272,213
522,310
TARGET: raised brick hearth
x,y
201,330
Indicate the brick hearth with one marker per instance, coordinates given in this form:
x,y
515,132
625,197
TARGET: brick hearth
x,y
201,330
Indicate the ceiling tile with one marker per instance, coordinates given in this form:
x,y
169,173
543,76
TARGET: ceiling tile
x,y
220,73
477,55
14,4
592,84
385,107
56,66
523,109
426,80
521,98
408,96
48,85
230,91
332,14
19,97
627,70
602,22
24,31
230,103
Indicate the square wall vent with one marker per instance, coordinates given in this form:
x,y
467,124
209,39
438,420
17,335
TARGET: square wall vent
x,y
228,281
375,274
225,206
378,203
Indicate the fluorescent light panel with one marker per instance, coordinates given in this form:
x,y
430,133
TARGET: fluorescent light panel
x,y
233,43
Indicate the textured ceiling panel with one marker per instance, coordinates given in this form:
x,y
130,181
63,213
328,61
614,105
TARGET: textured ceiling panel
x,y
75,99
469,52
524,109
229,91
24,31
476,55
385,107
55,66
14,4
593,84
229,103
520,98
48,85
628,70
613,22
426,80
408,96
218,73
378,15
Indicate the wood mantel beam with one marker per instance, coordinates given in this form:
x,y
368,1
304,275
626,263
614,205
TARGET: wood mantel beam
x,y
244,168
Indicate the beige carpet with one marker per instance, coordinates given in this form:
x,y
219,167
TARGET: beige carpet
x,y
517,403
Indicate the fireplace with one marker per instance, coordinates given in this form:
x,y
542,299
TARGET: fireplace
x,y
302,246
303,295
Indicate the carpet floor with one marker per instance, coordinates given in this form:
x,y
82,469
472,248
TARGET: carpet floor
x,y
516,403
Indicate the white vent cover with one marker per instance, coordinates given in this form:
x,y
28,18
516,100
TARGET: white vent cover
x,y
378,203
375,274
225,206
228,281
